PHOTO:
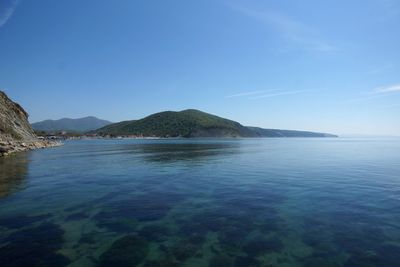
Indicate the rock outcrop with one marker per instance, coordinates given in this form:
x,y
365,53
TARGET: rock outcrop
x,y
16,134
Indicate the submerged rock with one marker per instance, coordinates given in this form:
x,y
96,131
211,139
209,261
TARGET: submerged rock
x,y
318,262
263,245
221,261
34,247
127,251
76,216
19,221
120,216
386,255
117,224
232,237
183,250
161,263
246,262
154,232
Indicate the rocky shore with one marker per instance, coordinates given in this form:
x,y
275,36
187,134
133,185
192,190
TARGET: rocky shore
x,y
9,147
16,134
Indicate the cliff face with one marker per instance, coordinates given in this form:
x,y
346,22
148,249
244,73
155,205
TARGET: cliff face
x,y
16,134
14,123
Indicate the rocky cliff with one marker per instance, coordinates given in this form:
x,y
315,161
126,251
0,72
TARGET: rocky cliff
x,y
16,133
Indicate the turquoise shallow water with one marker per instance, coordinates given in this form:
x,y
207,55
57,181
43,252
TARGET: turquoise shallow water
x,y
217,203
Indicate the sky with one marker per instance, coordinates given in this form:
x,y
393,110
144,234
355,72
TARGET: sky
x,y
330,66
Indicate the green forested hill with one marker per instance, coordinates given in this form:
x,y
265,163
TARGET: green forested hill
x,y
187,123
286,133
194,123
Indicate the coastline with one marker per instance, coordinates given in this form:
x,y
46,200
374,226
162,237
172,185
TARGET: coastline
x,y
11,147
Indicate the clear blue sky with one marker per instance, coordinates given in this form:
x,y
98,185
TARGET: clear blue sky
x,y
329,66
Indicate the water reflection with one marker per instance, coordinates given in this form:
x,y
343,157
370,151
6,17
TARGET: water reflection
x,y
171,152
13,171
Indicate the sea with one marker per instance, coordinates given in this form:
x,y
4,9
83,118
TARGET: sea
x,y
268,202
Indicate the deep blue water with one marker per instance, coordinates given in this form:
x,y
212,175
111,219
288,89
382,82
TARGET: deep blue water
x,y
218,203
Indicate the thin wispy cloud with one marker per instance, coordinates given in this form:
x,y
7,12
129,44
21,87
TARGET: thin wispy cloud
x,y
292,30
264,94
378,92
8,7
251,93
278,94
387,89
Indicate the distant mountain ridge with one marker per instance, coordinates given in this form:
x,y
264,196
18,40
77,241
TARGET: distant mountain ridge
x,y
194,123
73,125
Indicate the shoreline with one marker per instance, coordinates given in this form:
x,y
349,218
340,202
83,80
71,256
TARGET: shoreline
x,y
194,138
10,147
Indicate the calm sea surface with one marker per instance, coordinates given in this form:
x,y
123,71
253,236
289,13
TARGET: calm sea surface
x,y
218,203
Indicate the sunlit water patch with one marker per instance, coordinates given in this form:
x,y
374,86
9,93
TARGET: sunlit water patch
x,y
212,203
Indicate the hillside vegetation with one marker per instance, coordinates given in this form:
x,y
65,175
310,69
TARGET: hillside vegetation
x,y
187,123
194,123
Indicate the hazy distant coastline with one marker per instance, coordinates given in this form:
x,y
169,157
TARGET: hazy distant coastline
x,y
188,123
